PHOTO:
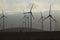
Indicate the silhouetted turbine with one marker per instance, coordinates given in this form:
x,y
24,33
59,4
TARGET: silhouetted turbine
x,y
31,16
51,17
42,18
3,16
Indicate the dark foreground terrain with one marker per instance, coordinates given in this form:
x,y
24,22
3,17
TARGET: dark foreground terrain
x,y
21,34
30,35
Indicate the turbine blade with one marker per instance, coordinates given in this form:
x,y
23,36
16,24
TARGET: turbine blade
x,y
50,9
46,17
39,19
53,19
26,12
31,8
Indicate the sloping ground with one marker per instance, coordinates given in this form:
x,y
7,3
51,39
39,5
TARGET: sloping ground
x,y
20,29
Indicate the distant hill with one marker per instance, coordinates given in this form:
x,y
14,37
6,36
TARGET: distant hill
x,y
19,29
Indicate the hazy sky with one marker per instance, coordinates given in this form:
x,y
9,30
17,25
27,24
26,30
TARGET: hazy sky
x,y
20,5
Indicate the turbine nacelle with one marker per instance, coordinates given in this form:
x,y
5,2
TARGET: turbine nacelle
x,y
3,16
41,17
30,12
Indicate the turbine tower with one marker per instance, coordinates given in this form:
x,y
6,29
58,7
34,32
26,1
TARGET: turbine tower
x,y
31,16
55,25
3,17
41,21
28,21
24,20
51,17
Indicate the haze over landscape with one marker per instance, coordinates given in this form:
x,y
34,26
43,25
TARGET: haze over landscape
x,y
14,10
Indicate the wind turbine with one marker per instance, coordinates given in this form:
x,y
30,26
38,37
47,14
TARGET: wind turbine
x,y
42,20
31,16
3,17
51,17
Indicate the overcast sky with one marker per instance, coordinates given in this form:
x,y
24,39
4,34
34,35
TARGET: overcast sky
x,y
20,5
